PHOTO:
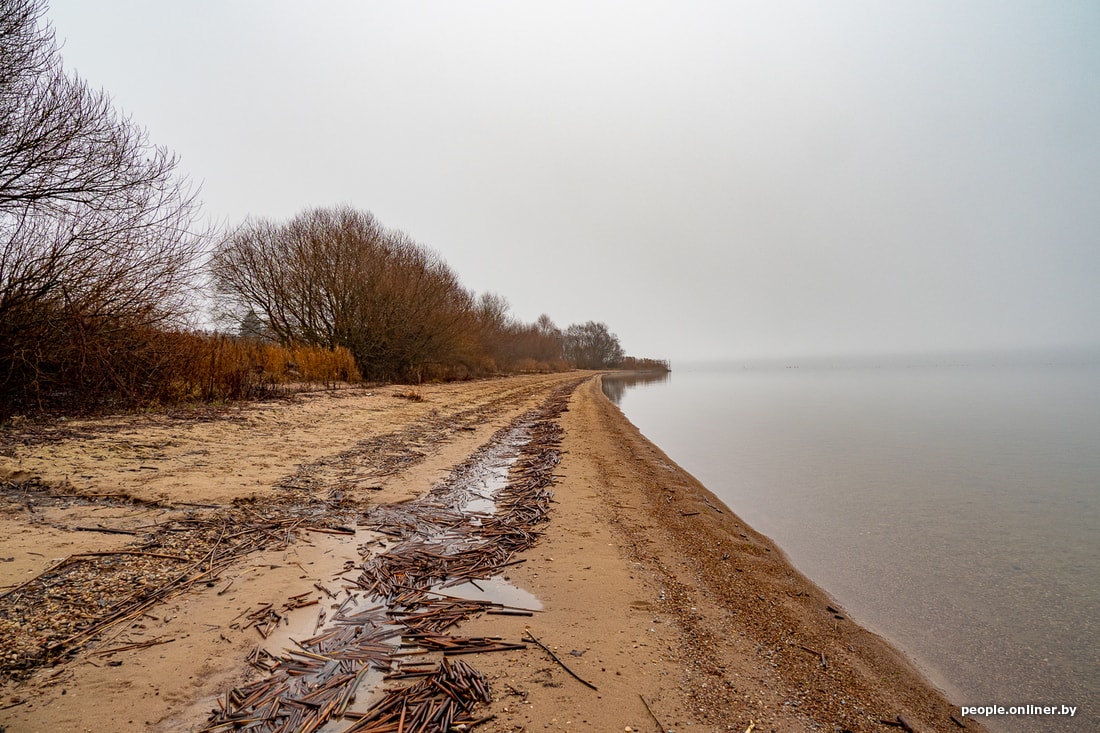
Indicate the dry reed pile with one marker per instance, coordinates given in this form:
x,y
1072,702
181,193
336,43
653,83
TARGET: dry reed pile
x,y
55,613
398,611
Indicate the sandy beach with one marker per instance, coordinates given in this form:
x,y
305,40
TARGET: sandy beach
x,y
676,614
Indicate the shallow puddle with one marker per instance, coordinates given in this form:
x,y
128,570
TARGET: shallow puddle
x,y
418,567
495,590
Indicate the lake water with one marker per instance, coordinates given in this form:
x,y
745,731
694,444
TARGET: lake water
x,y
952,508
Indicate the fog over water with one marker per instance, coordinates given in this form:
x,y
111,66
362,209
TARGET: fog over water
x,y
712,179
954,508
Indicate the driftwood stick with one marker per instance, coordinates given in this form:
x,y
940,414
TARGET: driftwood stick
x,y
105,530
330,530
561,663
47,571
129,552
128,647
652,714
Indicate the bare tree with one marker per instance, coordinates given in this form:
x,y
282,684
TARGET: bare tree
x,y
549,346
336,277
592,346
494,325
62,143
511,345
96,234
305,279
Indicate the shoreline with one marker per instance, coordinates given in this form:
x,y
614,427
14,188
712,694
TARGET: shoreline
x,y
872,485
652,590
762,598
923,667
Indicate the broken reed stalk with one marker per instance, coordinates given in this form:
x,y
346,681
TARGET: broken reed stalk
x,y
130,647
105,530
554,656
311,683
652,714
217,550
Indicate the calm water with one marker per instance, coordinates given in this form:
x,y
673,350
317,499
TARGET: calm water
x,y
952,509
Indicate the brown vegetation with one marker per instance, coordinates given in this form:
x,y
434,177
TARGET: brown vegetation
x,y
336,277
592,346
219,367
641,364
147,367
97,249
101,257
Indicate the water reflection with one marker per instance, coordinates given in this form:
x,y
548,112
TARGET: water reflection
x,y
615,385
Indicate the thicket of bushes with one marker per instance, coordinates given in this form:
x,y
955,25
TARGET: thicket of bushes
x,y
226,367
640,364
102,368
102,254
337,277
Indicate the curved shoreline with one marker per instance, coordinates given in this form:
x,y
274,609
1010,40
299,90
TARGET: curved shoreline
x,y
654,593
988,606
739,582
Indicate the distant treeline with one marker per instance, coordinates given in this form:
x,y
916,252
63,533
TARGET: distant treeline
x,y
335,277
102,261
637,364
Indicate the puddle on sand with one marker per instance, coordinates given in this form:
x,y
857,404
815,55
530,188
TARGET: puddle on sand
x,y
300,624
474,488
495,590
440,524
471,491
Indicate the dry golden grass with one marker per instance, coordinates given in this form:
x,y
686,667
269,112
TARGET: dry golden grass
x,y
223,367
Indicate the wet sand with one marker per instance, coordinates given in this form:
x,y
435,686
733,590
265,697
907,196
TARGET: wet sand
x,y
651,590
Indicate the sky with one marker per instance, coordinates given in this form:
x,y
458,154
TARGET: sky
x,y
709,179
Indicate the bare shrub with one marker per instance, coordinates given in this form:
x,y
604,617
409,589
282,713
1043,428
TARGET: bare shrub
x,y
97,244
592,346
643,364
528,364
512,345
336,277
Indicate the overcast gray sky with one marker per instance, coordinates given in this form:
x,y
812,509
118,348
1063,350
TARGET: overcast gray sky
x,y
711,179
